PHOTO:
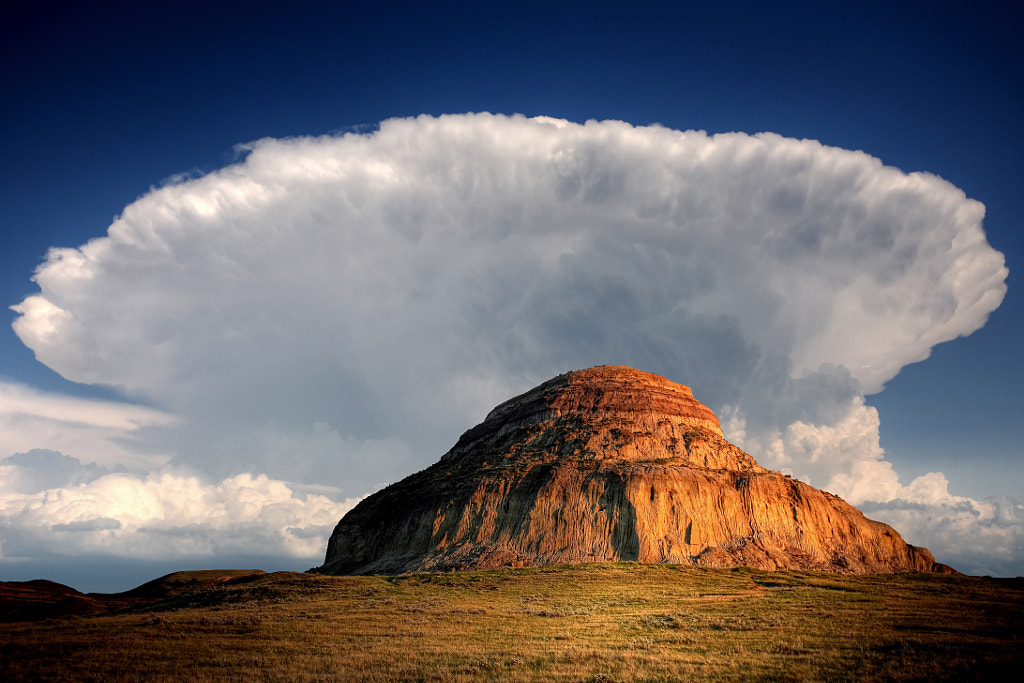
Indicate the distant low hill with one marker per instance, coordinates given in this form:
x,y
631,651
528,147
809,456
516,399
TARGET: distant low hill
x,y
42,599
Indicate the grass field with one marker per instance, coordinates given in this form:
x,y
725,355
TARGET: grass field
x,y
611,622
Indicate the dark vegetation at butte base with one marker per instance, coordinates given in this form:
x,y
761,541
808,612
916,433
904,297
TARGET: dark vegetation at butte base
x,y
603,465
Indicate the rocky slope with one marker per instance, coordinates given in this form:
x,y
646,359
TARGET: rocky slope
x,y
608,464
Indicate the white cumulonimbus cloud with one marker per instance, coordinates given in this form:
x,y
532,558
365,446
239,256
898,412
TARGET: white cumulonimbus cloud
x,y
338,309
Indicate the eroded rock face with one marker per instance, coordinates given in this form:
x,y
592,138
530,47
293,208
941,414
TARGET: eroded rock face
x,y
607,464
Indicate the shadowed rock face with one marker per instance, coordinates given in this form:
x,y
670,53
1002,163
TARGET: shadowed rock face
x,y
607,464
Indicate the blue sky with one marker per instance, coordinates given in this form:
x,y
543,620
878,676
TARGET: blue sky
x,y
105,102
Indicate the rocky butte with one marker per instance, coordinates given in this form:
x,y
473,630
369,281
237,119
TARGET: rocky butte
x,y
608,464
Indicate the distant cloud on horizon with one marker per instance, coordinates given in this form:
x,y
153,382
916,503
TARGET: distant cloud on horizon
x,y
164,514
337,310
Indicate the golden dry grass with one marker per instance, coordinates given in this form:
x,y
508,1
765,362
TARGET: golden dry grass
x,y
608,622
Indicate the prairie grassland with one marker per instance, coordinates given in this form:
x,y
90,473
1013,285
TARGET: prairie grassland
x,y
610,622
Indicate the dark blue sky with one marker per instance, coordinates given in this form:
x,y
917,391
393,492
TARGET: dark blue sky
x,y
105,100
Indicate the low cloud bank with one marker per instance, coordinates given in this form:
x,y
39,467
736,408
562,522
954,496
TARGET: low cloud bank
x,y
339,309
156,515
983,537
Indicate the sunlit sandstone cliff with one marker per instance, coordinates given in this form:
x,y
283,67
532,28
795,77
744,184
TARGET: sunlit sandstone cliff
x,y
608,464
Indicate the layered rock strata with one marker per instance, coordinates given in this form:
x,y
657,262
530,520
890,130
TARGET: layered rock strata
x,y
607,464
